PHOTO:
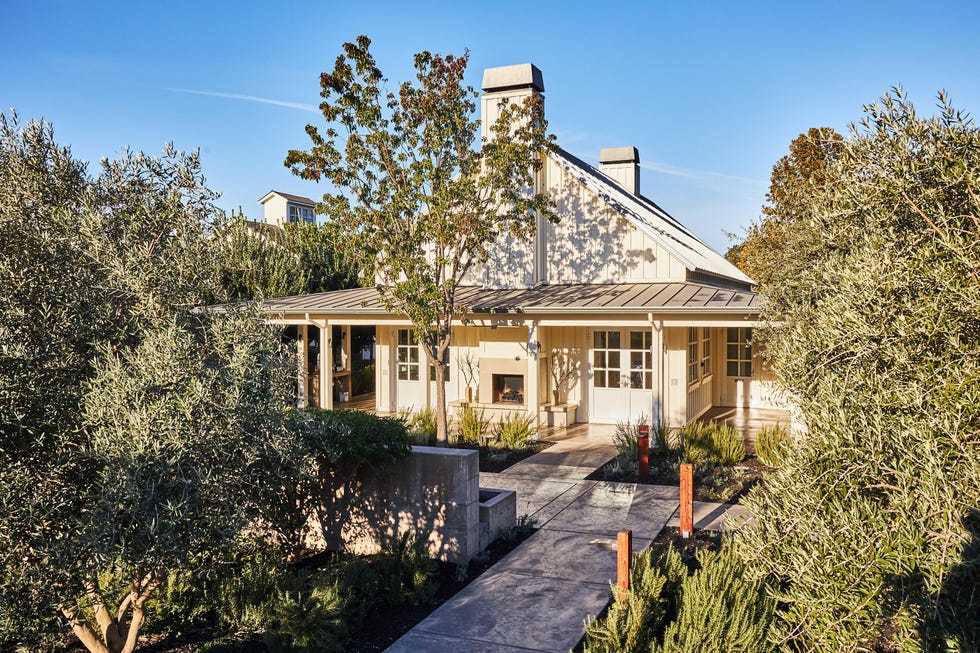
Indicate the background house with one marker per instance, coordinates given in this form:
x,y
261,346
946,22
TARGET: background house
x,y
652,321
281,208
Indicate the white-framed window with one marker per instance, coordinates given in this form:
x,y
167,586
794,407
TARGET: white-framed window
x,y
739,352
693,360
641,360
407,355
606,347
705,352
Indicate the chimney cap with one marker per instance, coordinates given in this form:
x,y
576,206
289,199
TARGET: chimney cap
x,y
619,155
507,78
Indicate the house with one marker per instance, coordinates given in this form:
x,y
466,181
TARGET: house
x,y
646,318
281,208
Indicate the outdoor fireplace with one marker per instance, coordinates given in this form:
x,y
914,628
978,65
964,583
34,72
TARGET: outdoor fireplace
x,y
508,388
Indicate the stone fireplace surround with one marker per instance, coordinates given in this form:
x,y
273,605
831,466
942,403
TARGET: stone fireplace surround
x,y
491,366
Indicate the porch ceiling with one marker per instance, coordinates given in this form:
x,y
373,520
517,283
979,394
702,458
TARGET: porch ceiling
x,y
680,297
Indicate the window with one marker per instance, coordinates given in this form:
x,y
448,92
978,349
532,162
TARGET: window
x,y
408,356
293,214
307,214
739,352
605,359
641,359
300,214
705,353
693,361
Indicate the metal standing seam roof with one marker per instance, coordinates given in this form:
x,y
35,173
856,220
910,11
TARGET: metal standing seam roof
x,y
679,297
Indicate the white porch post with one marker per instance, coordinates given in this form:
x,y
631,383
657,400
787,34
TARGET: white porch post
x,y
326,366
301,365
531,392
660,391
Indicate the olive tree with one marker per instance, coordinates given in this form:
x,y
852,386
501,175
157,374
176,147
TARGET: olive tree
x,y
421,199
871,527
129,421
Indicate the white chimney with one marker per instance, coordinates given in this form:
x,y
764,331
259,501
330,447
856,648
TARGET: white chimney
x,y
507,82
622,165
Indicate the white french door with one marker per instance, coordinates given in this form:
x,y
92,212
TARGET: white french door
x,y
621,375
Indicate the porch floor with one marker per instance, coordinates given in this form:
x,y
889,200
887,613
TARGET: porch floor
x,y
749,421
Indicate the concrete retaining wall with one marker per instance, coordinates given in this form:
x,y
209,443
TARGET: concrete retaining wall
x,y
433,492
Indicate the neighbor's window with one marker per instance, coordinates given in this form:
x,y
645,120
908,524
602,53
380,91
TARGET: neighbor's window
x,y
705,352
307,214
605,359
641,360
739,352
693,361
293,214
408,356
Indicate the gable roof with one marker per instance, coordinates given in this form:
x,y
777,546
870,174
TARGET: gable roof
x,y
299,199
652,220
663,297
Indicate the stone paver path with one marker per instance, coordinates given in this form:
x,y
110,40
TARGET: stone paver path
x,y
538,596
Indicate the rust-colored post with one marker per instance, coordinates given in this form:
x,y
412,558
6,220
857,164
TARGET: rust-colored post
x,y
687,500
624,558
643,447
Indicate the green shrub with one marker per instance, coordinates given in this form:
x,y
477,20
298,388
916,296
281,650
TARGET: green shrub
x,y
712,442
772,444
515,430
668,609
634,624
473,425
720,610
351,436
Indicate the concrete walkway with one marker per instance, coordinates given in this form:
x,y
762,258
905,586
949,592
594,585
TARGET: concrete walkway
x,y
538,596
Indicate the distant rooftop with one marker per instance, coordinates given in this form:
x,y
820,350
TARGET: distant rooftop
x,y
299,199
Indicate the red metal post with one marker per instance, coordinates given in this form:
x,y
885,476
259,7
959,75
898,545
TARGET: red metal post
x,y
643,447
624,558
687,500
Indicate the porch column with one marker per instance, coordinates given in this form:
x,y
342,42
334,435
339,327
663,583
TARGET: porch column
x,y
301,365
660,390
326,366
531,391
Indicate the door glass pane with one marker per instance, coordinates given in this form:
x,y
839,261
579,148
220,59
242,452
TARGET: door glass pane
x,y
599,359
599,340
613,359
613,379
649,380
732,368
599,379
614,340
636,360
636,379
745,369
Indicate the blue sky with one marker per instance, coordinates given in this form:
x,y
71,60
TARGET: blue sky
x,y
710,92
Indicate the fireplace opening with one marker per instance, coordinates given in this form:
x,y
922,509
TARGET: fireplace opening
x,y
508,389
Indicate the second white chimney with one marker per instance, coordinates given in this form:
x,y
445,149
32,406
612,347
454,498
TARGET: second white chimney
x,y
622,165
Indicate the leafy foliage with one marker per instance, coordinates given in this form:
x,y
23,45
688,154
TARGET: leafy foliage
x,y
668,609
422,204
258,261
472,425
712,442
772,444
869,526
515,430
807,169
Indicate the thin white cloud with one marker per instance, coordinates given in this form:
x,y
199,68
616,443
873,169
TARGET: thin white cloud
x,y
697,175
249,98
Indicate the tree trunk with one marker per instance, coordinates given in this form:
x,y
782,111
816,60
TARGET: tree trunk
x,y
442,421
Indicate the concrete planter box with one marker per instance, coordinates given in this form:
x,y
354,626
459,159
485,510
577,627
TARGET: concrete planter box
x,y
498,514
559,415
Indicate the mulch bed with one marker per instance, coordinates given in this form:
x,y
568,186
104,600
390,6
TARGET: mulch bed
x,y
495,459
716,483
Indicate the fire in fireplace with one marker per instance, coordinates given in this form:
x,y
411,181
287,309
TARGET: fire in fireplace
x,y
508,389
